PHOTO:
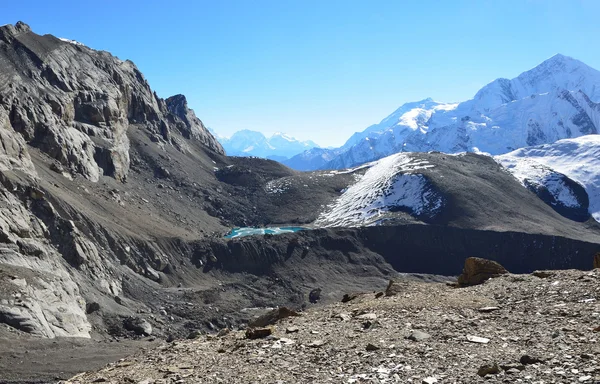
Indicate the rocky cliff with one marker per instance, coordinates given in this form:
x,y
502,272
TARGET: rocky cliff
x,y
76,105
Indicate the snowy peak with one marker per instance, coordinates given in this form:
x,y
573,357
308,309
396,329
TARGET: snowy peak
x,y
279,146
557,72
558,99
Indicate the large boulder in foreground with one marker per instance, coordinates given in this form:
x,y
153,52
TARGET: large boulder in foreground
x,y
478,270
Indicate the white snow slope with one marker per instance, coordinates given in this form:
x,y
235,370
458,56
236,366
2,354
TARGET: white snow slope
x,y
555,100
578,159
390,183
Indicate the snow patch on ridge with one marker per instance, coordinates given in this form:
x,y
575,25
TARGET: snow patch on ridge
x,y
390,184
531,172
71,41
578,159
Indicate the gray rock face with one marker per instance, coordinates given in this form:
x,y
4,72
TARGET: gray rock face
x,y
77,104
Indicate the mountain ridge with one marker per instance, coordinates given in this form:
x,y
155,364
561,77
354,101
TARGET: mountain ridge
x,y
556,99
279,146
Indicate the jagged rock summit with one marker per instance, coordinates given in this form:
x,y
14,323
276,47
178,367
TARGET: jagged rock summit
x,y
76,105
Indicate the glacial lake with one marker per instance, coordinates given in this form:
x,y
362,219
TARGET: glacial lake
x,y
251,231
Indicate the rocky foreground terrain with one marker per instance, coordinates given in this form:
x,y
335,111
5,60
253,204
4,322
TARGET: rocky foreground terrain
x,y
542,327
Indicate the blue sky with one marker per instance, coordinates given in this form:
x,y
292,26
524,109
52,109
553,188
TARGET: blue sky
x,y
321,69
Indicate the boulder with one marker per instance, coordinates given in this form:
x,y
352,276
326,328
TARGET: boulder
x,y
478,270
138,325
258,333
488,369
394,288
315,295
272,317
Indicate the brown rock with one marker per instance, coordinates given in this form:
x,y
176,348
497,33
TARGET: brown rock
x,y
272,317
478,270
349,297
258,333
597,260
488,369
543,274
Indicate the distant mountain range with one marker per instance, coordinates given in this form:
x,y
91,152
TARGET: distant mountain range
x,y
278,147
553,101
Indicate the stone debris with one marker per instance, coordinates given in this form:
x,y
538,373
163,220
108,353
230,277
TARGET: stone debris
x,y
540,332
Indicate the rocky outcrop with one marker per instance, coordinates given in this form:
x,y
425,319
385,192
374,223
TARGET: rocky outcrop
x,y
76,105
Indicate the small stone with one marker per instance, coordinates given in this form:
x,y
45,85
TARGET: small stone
x,y
367,316
99,380
371,347
477,339
292,329
509,366
513,371
417,335
527,359
223,332
488,309
584,378
221,350
429,380
258,333
342,316
316,344
488,369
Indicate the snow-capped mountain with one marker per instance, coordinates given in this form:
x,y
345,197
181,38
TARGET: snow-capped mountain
x,y
578,159
252,143
555,100
392,183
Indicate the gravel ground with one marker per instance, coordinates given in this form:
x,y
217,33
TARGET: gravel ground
x,y
515,328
